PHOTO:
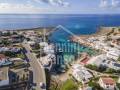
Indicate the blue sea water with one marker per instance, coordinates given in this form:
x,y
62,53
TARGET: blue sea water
x,y
77,24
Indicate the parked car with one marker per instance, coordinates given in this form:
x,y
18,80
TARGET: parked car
x,y
42,85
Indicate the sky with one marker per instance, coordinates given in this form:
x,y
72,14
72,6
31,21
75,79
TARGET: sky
x,y
60,6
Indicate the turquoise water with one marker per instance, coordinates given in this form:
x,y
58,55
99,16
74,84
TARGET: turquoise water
x,y
68,58
72,50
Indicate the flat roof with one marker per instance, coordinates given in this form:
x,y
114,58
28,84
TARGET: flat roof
x,y
4,73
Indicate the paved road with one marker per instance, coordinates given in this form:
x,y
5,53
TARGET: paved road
x,y
38,70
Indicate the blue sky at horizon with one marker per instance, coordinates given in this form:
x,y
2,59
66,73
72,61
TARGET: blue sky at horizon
x,y
60,6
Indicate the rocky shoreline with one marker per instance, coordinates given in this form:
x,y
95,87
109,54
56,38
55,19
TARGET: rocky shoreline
x,y
100,31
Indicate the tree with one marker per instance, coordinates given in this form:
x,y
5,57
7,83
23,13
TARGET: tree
x,y
119,58
112,31
95,85
93,67
69,85
14,33
9,54
110,70
7,33
36,46
119,29
118,85
5,42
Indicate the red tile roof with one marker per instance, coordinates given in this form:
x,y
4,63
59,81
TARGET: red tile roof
x,y
108,81
85,60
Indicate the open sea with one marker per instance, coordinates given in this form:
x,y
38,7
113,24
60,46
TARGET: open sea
x,y
77,24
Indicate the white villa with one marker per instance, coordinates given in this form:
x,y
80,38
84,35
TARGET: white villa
x,y
107,83
114,54
81,74
103,60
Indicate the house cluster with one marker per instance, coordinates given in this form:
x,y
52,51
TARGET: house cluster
x,y
33,36
103,61
13,70
50,57
110,47
4,60
10,76
46,51
113,53
10,36
19,75
10,49
12,66
81,74
116,42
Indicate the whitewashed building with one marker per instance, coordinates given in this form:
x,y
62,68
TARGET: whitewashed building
x,y
81,74
113,54
103,60
107,83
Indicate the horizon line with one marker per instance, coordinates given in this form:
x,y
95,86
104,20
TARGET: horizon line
x,y
61,13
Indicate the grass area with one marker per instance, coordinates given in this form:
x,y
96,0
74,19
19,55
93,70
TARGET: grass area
x,y
14,55
118,85
102,69
111,71
69,85
22,56
119,59
93,67
115,78
95,85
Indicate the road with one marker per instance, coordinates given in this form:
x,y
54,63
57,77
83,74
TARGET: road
x,y
38,70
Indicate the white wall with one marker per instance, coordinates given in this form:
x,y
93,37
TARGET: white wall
x,y
4,82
